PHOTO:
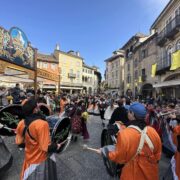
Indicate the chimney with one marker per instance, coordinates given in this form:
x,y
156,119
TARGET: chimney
x,y
57,47
78,53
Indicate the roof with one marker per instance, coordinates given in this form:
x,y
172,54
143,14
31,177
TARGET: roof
x,y
48,58
146,41
162,13
136,36
69,53
85,65
115,56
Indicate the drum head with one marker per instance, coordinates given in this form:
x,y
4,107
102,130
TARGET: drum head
x,y
10,116
61,133
44,109
111,167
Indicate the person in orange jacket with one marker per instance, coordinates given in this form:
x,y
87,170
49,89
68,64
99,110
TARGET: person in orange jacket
x,y
176,140
33,132
138,147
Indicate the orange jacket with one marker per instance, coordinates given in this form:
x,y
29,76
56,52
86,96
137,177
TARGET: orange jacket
x,y
176,132
35,150
143,166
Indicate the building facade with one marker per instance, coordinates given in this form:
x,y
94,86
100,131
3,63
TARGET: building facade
x,y
71,65
88,79
144,58
97,80
167,27
129,73
114,75
48,72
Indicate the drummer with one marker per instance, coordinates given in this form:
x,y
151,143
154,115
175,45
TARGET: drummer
x,y
33,131
138,147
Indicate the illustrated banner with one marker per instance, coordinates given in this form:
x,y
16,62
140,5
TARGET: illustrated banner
x,y
15,48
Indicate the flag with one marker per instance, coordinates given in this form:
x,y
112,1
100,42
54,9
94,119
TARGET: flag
x,y
140,79
175,60
153,70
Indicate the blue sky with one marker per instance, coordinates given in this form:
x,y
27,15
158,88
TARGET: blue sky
x,y
94,27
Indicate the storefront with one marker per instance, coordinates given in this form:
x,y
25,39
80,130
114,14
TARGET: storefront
x,y
17,59
47,81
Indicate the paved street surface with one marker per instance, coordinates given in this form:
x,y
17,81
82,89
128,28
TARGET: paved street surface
x,y
74,163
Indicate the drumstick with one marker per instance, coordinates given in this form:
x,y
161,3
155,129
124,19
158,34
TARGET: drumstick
x,y
68,138
91,149
9,128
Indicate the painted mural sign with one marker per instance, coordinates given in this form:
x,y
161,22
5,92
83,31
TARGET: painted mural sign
x,y
15,48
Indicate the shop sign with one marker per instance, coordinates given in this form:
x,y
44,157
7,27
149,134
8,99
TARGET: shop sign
x,y
47,75
15,48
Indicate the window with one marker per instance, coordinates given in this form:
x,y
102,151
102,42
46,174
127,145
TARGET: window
x,y
135,63
136,75
177,12
178,45
168,59
38,64
116,74
129,78
144,53
112,65
128,68
71,71
53,66
143,72
45,65
78,64
127,52
78,74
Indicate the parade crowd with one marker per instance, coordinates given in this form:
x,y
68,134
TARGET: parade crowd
x,y
143,129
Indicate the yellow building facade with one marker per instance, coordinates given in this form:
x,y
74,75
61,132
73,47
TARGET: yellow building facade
x,y
71,65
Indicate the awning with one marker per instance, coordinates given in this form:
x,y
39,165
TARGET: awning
x,y
167,83
49,87
79,88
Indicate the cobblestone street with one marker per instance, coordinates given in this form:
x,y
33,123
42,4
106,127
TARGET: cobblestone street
x,y
74,163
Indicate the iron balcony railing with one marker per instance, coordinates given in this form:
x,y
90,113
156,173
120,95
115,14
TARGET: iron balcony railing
x,y
169,31
72,75
164,63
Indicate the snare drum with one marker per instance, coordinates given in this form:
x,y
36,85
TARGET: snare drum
x,y
10,117
60,130
111,167
44,108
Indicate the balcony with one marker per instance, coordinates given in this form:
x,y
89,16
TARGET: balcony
x,y
163,65
71,75
171,29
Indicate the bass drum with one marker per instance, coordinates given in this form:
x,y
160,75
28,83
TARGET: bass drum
x,y
60,129
44,109
10,117
111,167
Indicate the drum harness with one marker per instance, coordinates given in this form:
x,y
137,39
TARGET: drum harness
x,y
144,138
